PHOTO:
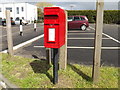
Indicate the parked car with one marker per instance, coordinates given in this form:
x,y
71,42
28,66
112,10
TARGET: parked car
x,y
17,21
78,22
4,22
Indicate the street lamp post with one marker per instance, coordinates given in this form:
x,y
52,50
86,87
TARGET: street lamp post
x,y
72,5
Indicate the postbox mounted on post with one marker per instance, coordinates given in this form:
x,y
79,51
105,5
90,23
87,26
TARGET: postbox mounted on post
x,y
54,34
54,27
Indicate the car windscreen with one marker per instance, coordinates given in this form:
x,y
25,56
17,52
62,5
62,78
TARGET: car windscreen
x,y
70,18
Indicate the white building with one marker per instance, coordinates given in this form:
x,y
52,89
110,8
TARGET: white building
x,y
25,11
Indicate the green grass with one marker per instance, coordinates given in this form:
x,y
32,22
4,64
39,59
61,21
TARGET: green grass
x,y
33,73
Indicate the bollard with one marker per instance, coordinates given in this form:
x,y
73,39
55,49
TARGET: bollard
x,y
21,28
35,25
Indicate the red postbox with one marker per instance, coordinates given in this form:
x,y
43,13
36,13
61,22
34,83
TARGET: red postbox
x,y
54,27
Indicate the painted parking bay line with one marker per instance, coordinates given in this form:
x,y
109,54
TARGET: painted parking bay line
x,y
79,33
75,31
108,36
72,47
25,43
111,38
86,38
3,36
91,28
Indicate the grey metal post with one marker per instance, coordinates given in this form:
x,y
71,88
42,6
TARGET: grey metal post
x,y
55,65
9,33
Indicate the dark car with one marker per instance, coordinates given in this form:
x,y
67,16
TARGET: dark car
x,y
78,22
4,22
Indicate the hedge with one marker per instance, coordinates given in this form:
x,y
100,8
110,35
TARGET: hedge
x,y
110,16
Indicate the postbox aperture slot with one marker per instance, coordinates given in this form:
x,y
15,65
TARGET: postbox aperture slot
x,y
50,16
51,34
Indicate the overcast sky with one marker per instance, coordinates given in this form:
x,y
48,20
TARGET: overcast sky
x,y
86,5
77,4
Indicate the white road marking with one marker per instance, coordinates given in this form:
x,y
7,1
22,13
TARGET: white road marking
x,y
81,33
93,47
80,30
25,43
91,27
3,36
72,47
86,38
108,36
111,38
76,31
39,46
88,29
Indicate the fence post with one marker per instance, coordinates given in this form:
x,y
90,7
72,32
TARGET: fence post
x,y
63,51
98,41
9,33
48,55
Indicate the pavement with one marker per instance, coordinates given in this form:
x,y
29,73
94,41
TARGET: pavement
x,y
81,47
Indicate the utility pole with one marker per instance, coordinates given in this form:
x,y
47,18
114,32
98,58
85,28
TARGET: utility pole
x,y
98,41
9,33
72,5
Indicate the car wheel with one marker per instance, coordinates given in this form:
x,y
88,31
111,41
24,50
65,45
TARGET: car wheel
x,y
83,27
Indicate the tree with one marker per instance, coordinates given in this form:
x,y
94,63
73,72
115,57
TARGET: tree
x,y
40,13
43,4
40,6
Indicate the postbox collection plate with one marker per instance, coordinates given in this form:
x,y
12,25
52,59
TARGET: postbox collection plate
x,y
51,34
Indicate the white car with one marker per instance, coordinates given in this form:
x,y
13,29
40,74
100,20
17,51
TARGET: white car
x,y
17,22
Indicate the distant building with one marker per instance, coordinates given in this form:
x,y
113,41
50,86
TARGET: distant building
x,y
25,11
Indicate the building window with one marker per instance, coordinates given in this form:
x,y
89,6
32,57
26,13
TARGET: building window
x,y
0,10
9,8
22,9
17,10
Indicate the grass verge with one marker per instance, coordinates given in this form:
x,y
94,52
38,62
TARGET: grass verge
x,y
34,73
